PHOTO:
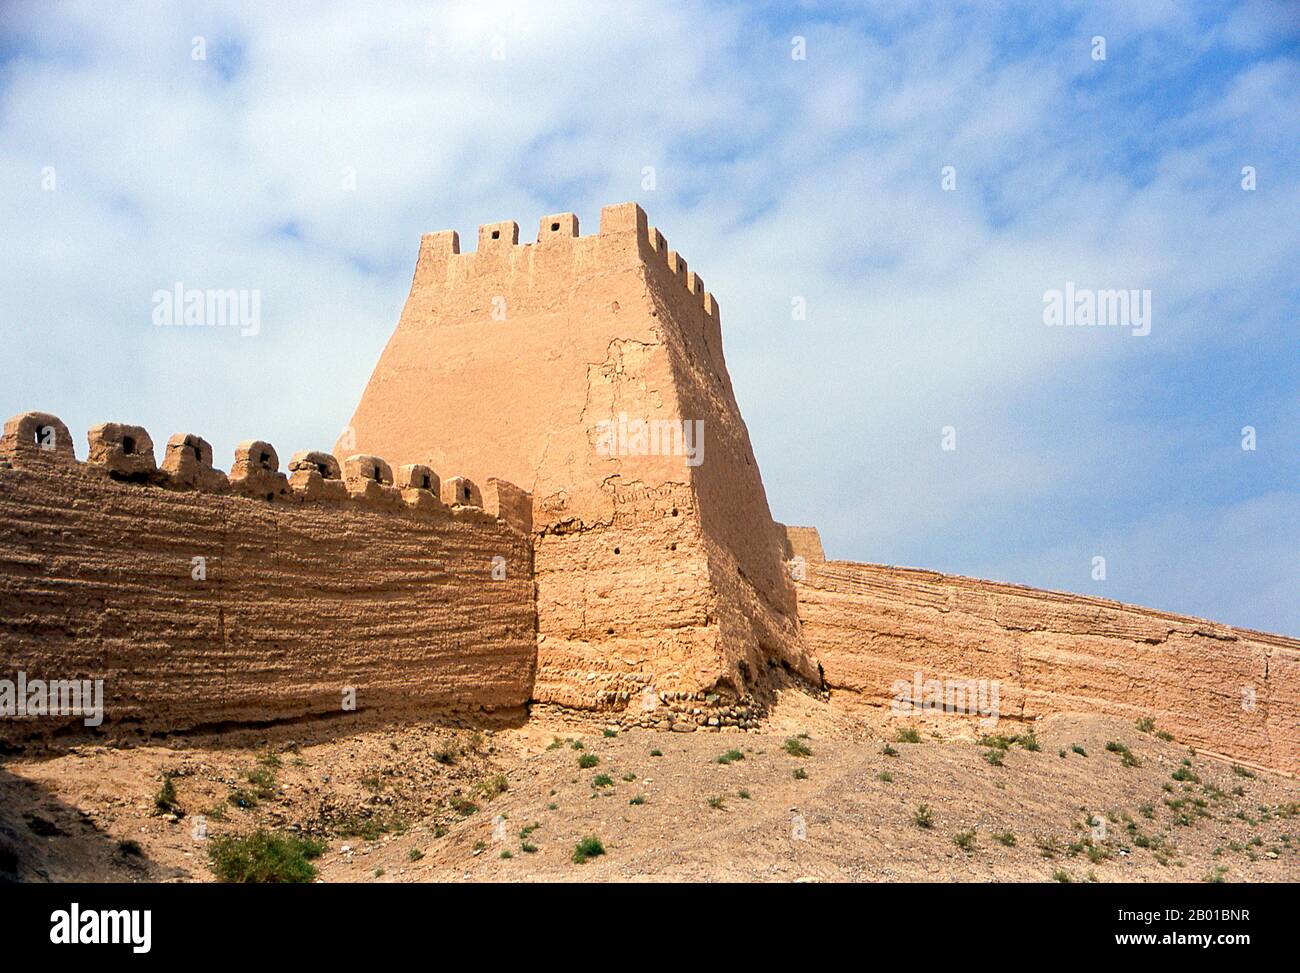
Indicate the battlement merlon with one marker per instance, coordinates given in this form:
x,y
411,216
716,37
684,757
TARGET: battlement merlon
x,y
37,436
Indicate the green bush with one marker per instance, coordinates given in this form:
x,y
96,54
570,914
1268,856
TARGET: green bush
x,y
165,800
588,847
264,857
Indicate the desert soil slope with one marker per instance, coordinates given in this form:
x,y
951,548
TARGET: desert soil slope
x,y
428,803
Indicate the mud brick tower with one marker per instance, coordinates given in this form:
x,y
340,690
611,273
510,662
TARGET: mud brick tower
x,y
658,574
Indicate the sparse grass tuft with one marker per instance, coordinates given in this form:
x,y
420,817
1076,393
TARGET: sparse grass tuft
x,y
243,799
907,734
1079,750
656,753
370,826
797,748
462,805
637,799
718,803
1048,847
492,787
1005,838
888,751
587,761
263,781
414,855
602,780
965,840
731,756
448,753
589,847
1114,746
923,816
800,774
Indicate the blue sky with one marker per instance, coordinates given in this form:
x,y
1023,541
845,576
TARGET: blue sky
x,y
776,178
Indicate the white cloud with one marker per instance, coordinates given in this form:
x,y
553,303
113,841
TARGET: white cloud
x,y
776,178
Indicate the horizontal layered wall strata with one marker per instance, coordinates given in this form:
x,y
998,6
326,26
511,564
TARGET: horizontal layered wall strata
x,y
204,607
879,629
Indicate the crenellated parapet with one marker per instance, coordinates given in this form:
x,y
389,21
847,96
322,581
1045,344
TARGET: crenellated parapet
x,y
625,238
38,440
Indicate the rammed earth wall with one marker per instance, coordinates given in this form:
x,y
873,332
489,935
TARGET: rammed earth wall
x,y
1224,690
216,605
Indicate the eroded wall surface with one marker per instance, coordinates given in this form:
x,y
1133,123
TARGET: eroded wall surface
x,y
1228,691
654,574
301,599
